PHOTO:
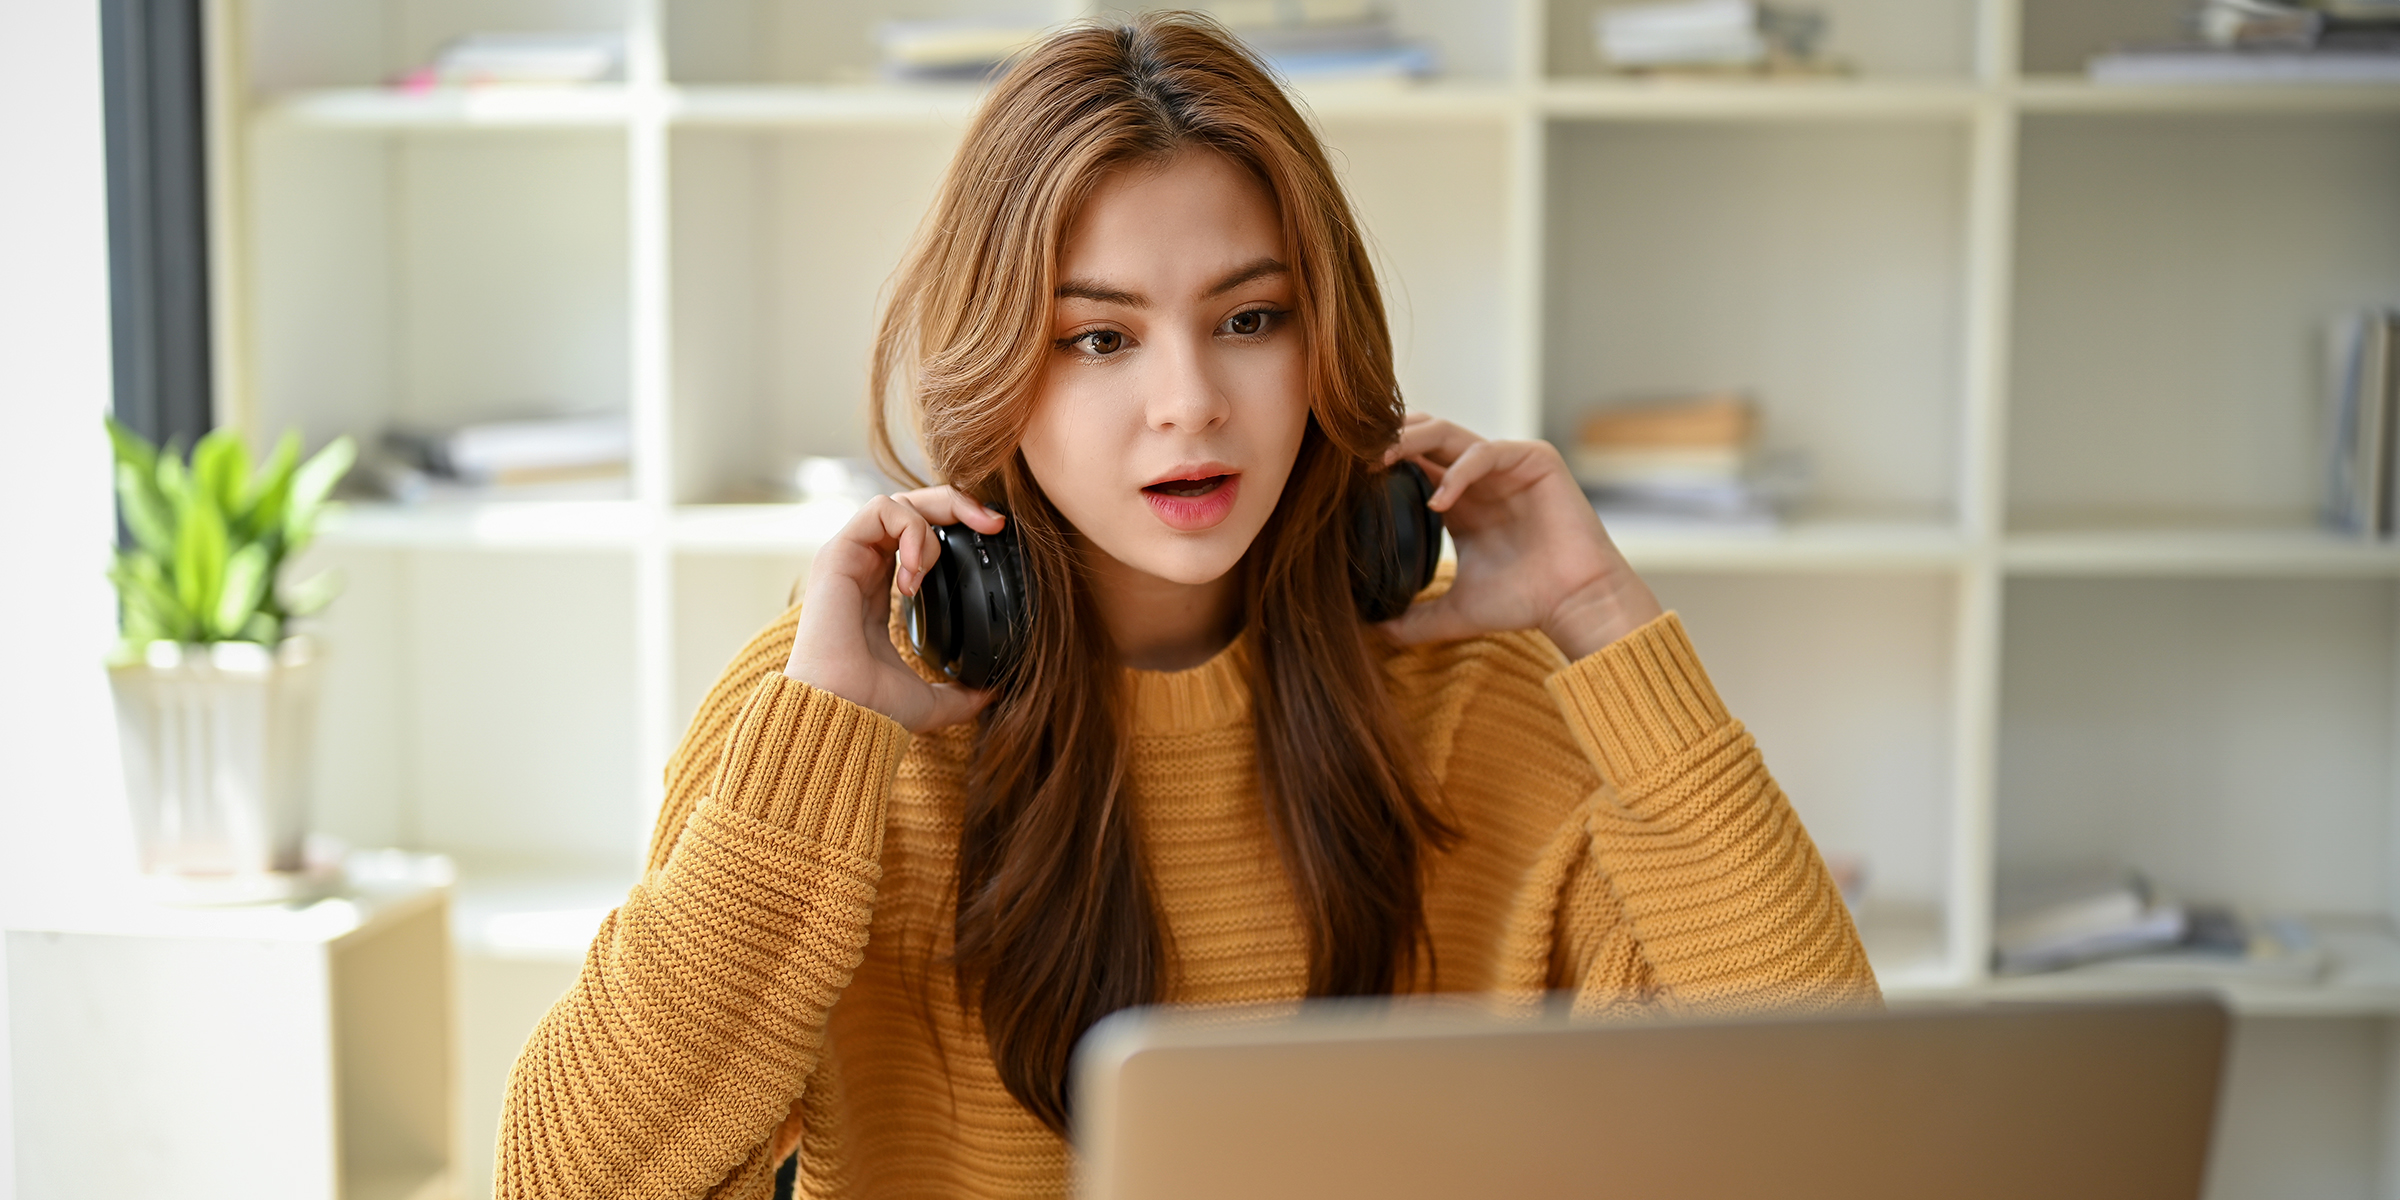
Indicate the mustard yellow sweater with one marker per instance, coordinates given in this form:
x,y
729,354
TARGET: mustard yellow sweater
x,y
776,979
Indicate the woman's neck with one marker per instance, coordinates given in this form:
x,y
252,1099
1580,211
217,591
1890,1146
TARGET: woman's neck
x,y
1157,624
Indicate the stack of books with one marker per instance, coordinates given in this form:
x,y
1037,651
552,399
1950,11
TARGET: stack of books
x,y
1691,459
2115,923
1307,40
2063,922
1709,36
2269,41
520,59
2365,373
546,458
1326,40
951,50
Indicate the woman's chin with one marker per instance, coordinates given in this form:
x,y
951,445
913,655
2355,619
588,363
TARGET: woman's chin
x,y
1189,559
1189,565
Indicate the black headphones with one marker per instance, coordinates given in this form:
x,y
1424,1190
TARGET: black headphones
x,y
975,609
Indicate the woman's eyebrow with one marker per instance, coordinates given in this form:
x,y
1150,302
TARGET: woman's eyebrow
x,y
1104,293
1091,289
1250,272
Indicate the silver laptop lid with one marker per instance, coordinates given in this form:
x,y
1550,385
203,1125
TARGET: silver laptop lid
x,y
2062,1102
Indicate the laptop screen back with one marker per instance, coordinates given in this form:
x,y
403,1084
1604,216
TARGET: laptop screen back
x,y
2057,1101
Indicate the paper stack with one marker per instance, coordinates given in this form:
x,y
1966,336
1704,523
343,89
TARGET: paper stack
x,y
1707,34
2269,41
577,457
950,51
1682,460
2365,373
2060,922
544,58
2114,925
1326,40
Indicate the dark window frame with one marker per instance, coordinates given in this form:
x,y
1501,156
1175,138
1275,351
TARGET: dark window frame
x,y
153,92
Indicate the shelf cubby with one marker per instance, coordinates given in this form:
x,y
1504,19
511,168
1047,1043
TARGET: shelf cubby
x,y
2231,738
1819,267
430,278
2176,279
783,242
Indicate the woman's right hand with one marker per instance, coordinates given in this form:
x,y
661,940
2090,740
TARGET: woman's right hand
x,y
845,644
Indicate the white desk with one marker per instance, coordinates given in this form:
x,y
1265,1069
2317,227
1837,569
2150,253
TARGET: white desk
x,y
264,1052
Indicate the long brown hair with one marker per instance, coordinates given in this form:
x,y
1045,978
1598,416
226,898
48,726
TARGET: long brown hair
x,y
1055,925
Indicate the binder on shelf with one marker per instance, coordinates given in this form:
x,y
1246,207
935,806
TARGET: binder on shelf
x,y
2268,41
2365,373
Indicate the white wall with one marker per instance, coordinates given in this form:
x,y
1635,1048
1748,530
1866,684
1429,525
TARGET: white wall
x,y
62,823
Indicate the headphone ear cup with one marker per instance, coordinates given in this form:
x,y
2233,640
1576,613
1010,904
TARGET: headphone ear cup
x,y
934,629
1395,543
973,615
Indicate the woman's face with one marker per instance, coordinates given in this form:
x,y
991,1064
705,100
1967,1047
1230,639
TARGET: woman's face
x,y
1175,399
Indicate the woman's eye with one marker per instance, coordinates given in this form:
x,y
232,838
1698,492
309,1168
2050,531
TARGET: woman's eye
x,y
1249,324
1100,341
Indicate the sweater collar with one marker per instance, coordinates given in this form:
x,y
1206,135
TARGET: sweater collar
x,y
1212,695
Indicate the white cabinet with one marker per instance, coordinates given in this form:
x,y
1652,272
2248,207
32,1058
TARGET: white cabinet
x,y
283,1053
2057,593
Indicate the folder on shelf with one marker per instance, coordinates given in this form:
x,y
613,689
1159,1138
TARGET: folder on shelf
x,y
2365,372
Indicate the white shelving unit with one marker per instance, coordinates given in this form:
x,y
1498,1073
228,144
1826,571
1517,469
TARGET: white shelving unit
x,y
2050,345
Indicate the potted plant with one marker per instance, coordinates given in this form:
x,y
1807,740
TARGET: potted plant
x,y
215,696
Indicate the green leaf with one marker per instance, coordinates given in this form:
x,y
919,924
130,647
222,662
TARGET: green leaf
x,y
200,553
247,573
151,610
132,449
311,597
271,489
221,466
174,483
311,485
145,510
263,629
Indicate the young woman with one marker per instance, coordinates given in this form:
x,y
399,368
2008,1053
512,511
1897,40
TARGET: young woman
x,y
1140,326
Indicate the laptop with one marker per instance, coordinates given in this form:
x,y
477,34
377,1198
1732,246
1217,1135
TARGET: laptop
x,y
1398,1101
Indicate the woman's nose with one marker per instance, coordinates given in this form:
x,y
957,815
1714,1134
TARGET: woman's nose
x,y
1184,395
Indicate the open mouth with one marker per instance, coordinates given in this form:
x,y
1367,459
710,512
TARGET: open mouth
x,y
1197,502
1187,489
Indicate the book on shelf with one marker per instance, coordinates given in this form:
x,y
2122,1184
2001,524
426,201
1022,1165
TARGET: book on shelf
x,y
1709,36
2049,923
1326,40
1307,40
2364,373
584,457
553,58
1679,462
2113,923
955,50
2268,41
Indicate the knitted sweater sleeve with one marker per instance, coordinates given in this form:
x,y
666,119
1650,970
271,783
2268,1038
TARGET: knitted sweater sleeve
x,y
1684,882
670,1067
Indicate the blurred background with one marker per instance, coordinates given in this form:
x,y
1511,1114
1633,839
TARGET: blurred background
x,y
2001,389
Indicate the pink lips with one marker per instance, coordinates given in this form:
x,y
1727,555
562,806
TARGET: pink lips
x,y
1204,500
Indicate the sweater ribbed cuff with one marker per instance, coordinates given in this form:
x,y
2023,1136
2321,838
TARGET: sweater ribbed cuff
x,y
813,763
1639,700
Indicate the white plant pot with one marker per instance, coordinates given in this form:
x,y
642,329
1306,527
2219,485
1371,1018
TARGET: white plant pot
x,y
216,743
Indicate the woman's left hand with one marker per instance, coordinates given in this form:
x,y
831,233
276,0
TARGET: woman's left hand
x,y
1531,552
